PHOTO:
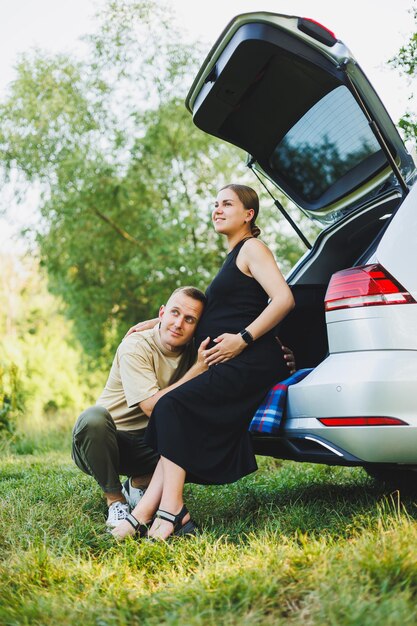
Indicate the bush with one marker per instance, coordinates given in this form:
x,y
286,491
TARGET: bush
x,y
11,397
44,375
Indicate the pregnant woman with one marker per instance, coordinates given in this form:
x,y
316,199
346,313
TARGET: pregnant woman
x,y
200,429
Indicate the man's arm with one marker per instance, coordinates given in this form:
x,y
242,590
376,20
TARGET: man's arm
x,y
140,326
289,359
199,367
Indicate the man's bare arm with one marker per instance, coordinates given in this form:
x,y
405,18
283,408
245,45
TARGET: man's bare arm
x,y
140,326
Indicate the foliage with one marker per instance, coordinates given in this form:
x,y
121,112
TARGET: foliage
x,y
406,61
292,544
41,367
10,396
125,177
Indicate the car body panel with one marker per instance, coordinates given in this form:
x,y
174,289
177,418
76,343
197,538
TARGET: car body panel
x,y
384,327
397,250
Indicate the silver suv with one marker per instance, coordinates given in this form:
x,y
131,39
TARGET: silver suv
x,y
291,94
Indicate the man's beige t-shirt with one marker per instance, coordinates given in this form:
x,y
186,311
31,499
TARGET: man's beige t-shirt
x,y
141,367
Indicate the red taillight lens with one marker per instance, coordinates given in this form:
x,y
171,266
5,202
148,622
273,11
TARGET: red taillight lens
x,y
317,31
362,421
369,285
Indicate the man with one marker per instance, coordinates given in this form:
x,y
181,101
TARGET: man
x,y
108,437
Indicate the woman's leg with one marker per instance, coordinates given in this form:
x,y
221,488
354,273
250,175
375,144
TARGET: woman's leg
x,y
172,499
165,492
147,505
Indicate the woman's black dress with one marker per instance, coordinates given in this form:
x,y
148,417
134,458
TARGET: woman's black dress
x,y
202,426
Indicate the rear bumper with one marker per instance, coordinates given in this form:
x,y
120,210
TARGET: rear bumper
x,y
303,447
371,383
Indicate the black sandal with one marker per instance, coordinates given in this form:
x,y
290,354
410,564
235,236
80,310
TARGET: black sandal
x,y
189,528
140,529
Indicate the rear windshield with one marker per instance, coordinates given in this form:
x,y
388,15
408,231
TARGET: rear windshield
x,y
329,140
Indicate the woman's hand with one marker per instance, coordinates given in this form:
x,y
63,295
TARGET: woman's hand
x,y
228,346
146,325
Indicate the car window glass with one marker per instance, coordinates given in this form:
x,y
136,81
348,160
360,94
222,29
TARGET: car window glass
x,y
331,138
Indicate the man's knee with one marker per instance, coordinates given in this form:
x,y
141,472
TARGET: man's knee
x,y
94,423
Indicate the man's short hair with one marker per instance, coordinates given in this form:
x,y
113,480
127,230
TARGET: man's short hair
x,y
191,292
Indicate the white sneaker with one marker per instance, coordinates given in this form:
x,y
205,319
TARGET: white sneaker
x,y
118,511
131,493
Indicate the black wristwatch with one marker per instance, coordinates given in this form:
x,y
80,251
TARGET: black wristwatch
x,y
246,336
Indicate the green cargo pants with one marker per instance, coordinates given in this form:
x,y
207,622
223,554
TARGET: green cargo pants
x,y
104,452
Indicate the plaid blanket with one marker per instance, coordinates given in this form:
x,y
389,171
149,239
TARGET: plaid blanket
x,y
267,418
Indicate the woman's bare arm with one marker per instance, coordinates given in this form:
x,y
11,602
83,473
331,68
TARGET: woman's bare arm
x,y
260,262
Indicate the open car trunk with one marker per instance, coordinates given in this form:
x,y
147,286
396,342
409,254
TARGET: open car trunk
x,y
292,95
348,243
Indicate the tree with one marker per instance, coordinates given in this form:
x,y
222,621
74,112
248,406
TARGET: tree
x,y
406,61
123,172
122,169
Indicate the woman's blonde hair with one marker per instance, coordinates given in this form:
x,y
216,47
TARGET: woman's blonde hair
x,y
250,200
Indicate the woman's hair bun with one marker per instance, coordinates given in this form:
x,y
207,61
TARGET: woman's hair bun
x,y
255,230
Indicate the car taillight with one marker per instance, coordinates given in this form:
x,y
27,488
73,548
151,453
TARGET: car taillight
x,y
369,285
362,421
317,31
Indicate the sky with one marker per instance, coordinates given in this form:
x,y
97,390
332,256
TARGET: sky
x,y
374,30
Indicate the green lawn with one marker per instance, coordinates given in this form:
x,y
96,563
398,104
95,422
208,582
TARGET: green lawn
x,y
291,544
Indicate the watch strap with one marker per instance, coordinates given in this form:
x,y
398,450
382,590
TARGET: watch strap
x,y
246,336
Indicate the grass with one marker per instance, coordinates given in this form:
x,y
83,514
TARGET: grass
x,y
292,544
